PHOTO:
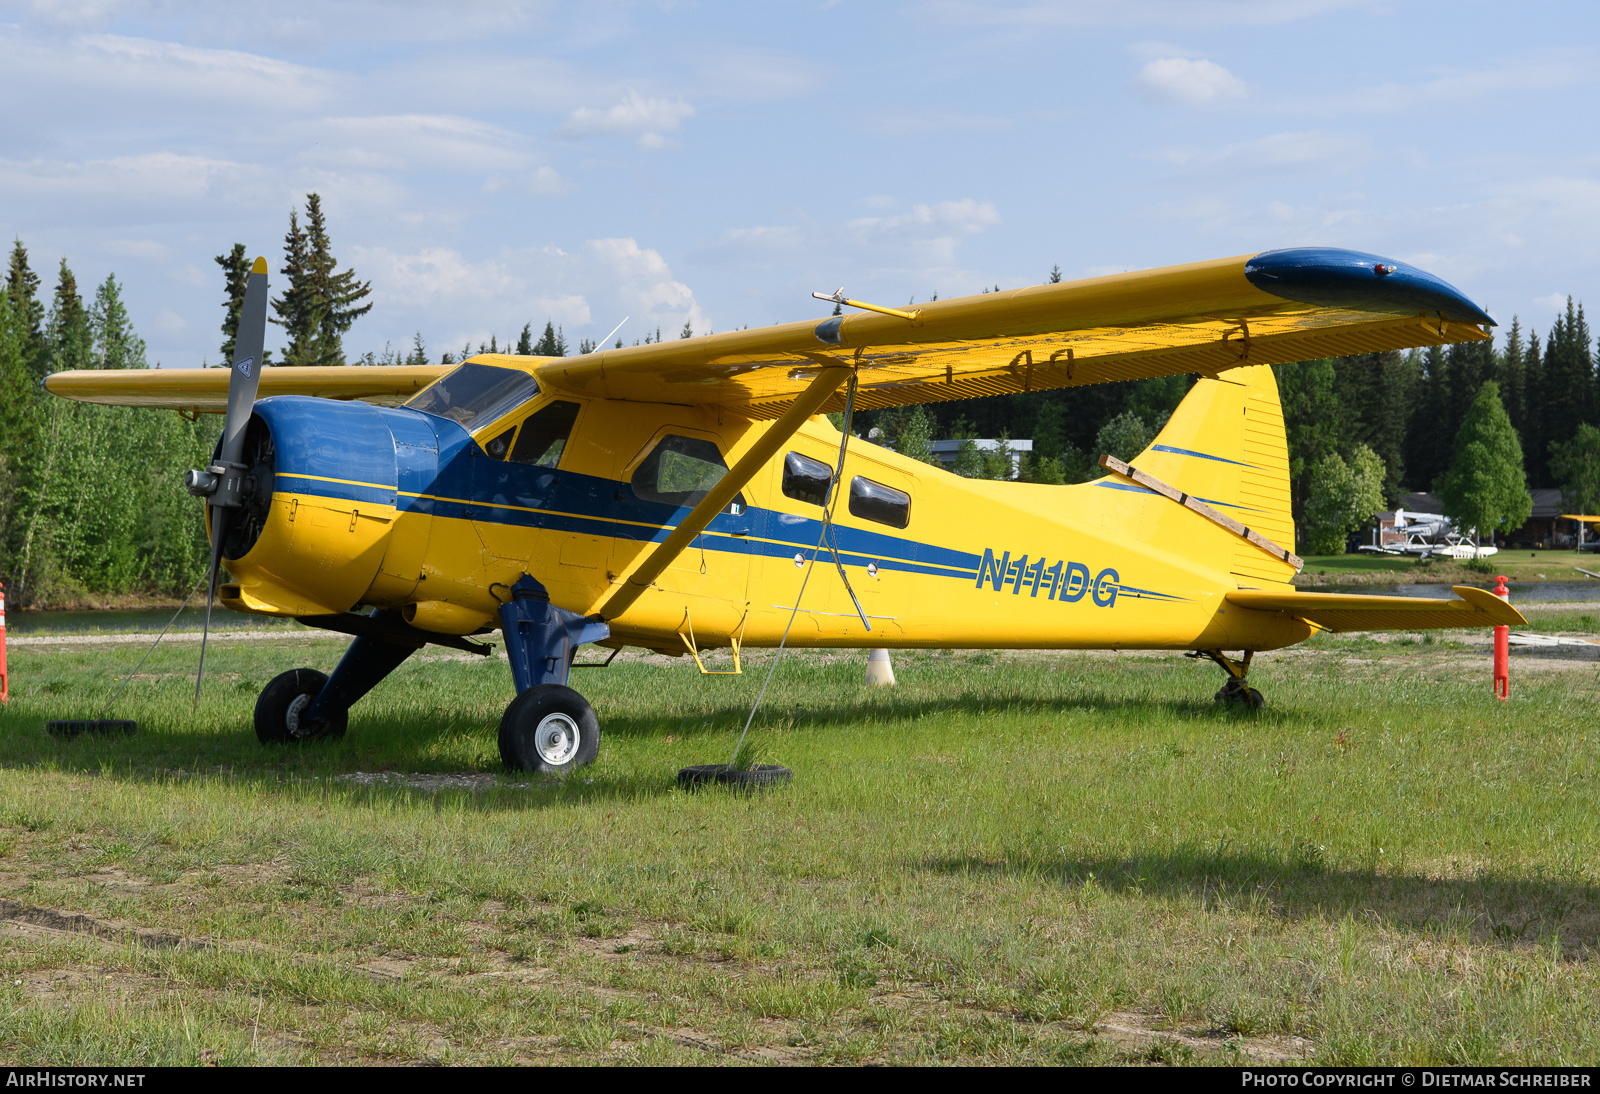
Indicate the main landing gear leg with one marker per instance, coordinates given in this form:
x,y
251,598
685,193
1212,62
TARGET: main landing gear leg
x,y
548,727
1235,692
303,704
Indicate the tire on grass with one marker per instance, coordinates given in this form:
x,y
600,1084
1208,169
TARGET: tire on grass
x,y
284,700
549,729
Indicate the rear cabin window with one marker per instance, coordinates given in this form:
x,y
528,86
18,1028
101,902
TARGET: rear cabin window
x,y
806,479
874,501
681,471
544,435
475,395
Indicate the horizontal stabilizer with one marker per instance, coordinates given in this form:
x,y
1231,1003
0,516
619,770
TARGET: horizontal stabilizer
x,y
205,390
1474,608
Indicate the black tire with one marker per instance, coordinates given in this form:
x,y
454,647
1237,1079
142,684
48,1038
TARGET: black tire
x,y
1236,695
757,777
549,729
284,699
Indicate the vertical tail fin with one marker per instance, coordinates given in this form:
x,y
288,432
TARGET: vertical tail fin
x,y
1225,445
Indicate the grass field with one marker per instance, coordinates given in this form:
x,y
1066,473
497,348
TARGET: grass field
x,y
1008,858
1519,566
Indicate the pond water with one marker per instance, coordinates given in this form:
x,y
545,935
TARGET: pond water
x,y
139,620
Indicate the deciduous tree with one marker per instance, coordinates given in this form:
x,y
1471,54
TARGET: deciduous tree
x,y
1343,496
1486,488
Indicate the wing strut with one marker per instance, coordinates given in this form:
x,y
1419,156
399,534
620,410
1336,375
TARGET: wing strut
x,y
1150,482
701,515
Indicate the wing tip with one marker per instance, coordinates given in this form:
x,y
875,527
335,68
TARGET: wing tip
x,y
1333,277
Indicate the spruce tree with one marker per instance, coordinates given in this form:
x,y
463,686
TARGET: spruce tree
x,y
295,307
235,276
1486,489
1312,422
321,302
1055,275
23,286
687,331
1514,380
67,335
1533,430
1576,464
546,345
115,345
525,343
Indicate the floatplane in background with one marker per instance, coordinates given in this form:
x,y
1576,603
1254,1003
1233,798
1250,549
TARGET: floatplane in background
x,y
1426,535
678,496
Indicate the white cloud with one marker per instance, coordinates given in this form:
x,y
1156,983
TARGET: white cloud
x,y
917,250
635,116
1189,82
646,286
162,179
543,182
169,322
414,142
441,290
1199,14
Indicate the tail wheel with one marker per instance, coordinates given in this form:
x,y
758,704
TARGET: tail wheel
x,y
1235,693
550,729
280,711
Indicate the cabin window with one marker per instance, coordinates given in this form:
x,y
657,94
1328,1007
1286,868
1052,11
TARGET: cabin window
x,y
475,395
544,435
806,479
875,501
679,471
500,445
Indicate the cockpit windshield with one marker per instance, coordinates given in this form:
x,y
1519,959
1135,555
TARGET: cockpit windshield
x,y
475,395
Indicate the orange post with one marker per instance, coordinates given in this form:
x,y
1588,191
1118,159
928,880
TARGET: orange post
x,y
1502,648
5,682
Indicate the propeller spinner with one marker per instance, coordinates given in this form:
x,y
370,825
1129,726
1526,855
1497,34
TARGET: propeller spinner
x,y
223,483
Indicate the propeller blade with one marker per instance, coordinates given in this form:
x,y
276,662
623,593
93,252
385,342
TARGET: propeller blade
x,y
226,475
248,349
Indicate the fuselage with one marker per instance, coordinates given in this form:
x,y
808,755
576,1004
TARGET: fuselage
x,y
401,508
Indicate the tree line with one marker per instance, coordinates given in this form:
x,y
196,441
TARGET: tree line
x,y
91,500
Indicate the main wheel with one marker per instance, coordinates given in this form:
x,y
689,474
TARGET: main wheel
x,y
550,729
282,703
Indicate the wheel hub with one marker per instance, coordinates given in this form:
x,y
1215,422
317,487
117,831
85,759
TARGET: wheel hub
x,y
556,739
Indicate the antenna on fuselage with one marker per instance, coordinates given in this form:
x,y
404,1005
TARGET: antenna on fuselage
x,y
614,330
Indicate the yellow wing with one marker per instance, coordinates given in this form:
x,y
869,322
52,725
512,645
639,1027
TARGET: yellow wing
x,y
1204,318
1201,318
205,390
1476,608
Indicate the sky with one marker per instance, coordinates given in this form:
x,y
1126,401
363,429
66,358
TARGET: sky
x,y
488,165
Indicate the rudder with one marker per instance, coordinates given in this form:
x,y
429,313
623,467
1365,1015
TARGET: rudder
x,y
1225,444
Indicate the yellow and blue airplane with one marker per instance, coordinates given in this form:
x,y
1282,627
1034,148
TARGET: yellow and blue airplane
x,y
676,496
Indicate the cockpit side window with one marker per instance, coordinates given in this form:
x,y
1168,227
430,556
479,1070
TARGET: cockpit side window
x,y
875,501
544,435
806,479
475,395
681,471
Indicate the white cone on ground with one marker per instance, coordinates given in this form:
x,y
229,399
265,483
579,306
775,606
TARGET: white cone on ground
x,y
880,673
